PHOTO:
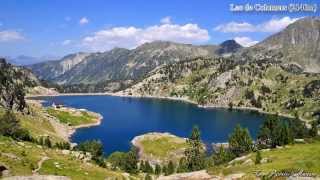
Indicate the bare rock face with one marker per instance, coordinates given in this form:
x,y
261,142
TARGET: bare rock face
x,y
299,43
52,69
4,171
221,80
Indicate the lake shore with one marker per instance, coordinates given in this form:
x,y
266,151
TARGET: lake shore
x,y
120,94
204,106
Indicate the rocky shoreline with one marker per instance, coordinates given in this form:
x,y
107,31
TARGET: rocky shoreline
x,y
73,129
202,106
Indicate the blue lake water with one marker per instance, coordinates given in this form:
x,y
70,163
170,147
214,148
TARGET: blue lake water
x,y
124,118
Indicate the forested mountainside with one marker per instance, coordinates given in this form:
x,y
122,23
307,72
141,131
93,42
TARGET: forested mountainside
x,y
264,84
13,83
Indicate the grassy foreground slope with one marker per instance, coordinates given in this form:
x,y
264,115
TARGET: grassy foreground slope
x,y
304,157
36,123
23,157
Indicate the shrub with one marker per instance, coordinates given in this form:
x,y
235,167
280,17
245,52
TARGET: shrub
x,y
9,126
171,168
117,159
157,169
222,156
125,161
94,147
258,158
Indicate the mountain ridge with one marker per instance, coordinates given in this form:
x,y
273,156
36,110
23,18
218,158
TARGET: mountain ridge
x,y
123,64
297,46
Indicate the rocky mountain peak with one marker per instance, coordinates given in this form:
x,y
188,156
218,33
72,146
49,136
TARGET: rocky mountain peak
x,y
298,43
228,46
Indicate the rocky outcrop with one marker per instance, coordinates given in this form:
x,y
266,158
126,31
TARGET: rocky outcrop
x,y
196,175
52,69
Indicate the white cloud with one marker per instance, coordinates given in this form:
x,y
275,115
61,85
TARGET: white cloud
x,y
235,27
273,25
84,21
9,36
131,37
166,20
66,42
245,41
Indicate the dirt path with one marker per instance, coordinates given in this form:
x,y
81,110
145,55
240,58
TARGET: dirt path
x,y
42,160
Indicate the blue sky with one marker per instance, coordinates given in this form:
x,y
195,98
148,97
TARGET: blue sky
x,y
60,27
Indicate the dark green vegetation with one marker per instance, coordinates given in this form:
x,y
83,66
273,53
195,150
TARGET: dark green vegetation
x,y
128,162
240,141
9,126
195,153
13,82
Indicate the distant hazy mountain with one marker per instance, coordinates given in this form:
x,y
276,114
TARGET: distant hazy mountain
x,y
299,44
123,64
23,60
52,69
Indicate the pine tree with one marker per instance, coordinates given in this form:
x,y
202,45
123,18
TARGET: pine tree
x,y
222,156
142,166
240,141
314,129
148,168
47,142
195,153
131,161
164,170
258,157
182,167
286,135
171,168
158,169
